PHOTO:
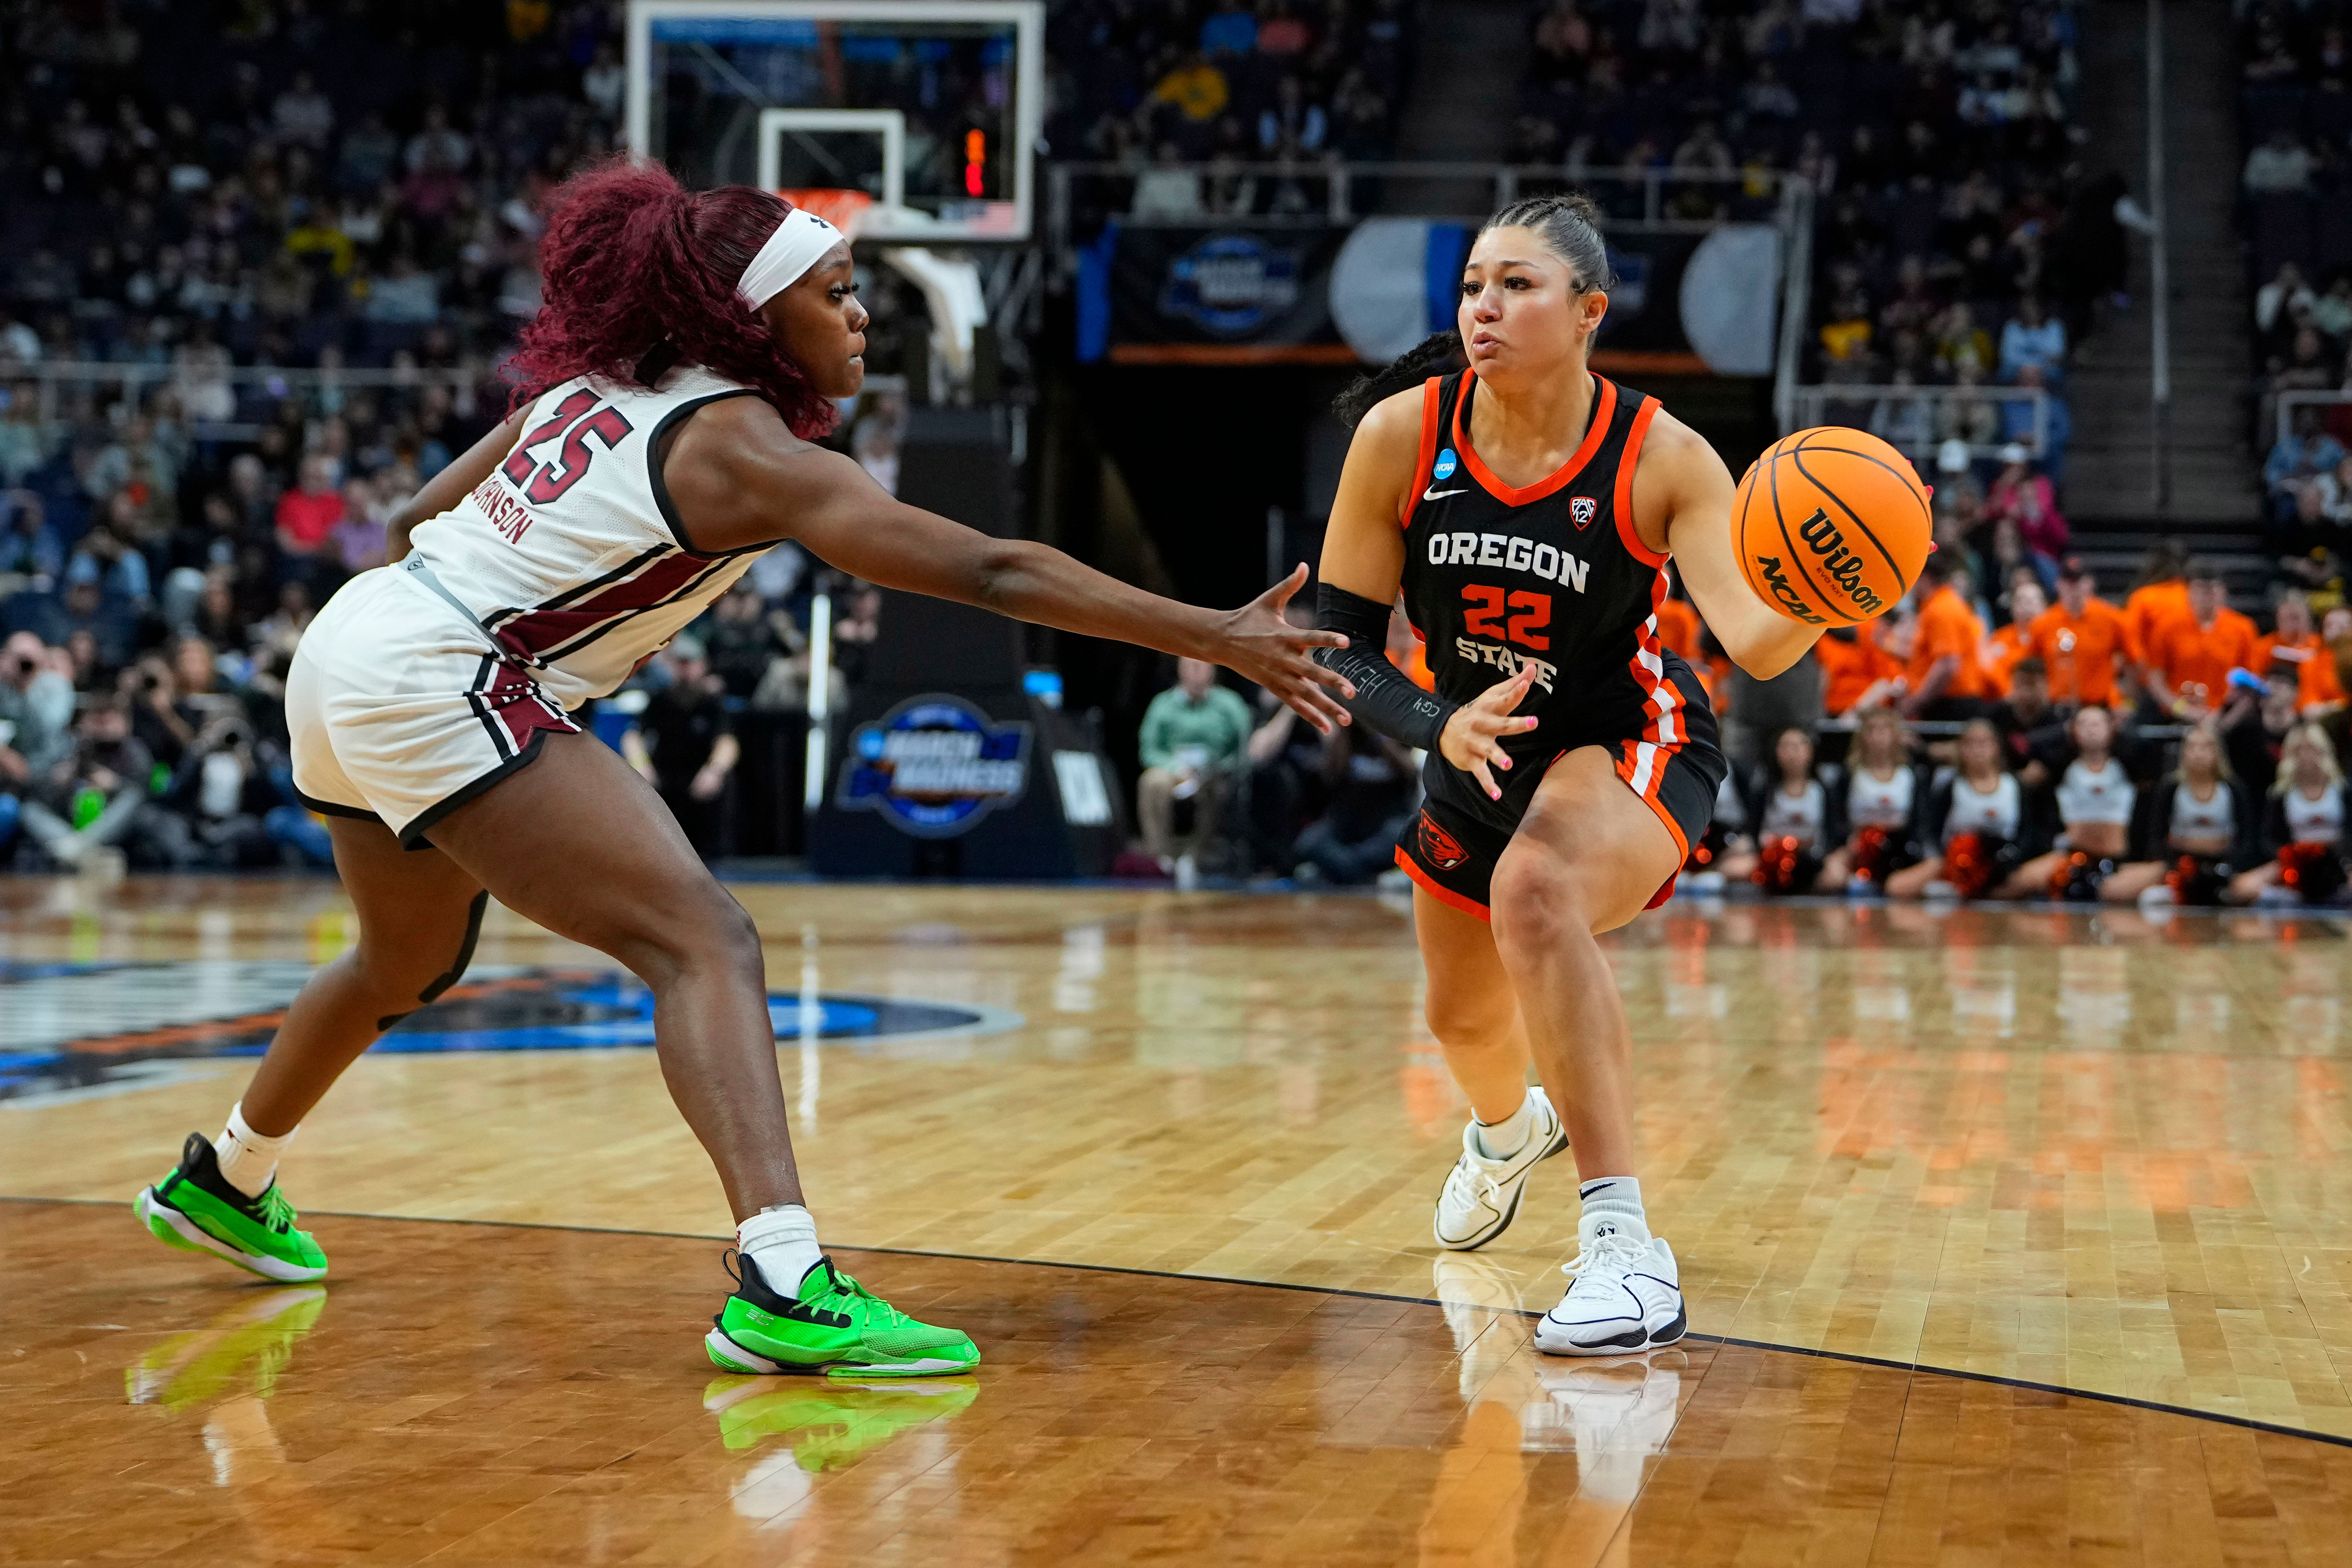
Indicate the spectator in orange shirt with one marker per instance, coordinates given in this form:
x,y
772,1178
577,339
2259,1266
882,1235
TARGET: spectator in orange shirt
x,y
2161,598
2294,643
2191,662
1946,680
2319,685
1857,672
2079,640
2008,644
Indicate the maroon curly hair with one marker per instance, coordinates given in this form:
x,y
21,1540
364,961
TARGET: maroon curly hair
x,y
633,260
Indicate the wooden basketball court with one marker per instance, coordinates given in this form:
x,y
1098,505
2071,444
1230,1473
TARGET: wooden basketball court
x,y
2007,1237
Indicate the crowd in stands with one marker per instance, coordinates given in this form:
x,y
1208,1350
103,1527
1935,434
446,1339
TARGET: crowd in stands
x,y
2165,749
2295,116
1284,82
192,186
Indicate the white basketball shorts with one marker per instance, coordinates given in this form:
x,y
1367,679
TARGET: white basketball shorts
x,y
400,711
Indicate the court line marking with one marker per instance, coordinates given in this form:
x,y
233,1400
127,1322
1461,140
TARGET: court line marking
x,y
1995,1380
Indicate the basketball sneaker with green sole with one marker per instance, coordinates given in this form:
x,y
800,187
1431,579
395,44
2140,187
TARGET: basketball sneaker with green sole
x,y
832,1424
196,1209
837,1326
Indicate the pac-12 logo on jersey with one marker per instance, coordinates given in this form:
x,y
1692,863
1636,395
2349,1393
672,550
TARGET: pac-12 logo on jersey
x,y
1582,509
1438,847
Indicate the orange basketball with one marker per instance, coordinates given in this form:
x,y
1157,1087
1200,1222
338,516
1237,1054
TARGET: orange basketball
x,y
1831,525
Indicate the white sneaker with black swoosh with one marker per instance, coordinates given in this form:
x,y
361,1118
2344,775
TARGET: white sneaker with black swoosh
x,y
1624,1296
1481,1196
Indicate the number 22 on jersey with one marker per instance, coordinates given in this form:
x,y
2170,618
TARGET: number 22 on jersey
x,y
1519,616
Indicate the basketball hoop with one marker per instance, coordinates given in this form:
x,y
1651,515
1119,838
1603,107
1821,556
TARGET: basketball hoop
x,y
843,209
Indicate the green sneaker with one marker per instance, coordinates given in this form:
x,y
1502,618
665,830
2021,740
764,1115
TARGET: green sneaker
x,y
197,1210
241,1350
828,1426
837,1327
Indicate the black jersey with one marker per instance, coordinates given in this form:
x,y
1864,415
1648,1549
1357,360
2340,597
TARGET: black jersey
x,y
1551,575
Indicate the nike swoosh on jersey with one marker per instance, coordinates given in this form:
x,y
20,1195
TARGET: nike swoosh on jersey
x,y
1435,494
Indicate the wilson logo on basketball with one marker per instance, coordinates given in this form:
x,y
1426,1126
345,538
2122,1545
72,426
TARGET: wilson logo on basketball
x,y
1438,847
1827,540
1582,509
1792,603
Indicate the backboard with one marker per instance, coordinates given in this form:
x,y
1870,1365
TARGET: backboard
x,y
932,109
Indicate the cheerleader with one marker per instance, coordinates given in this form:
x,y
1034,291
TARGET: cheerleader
x,y
1792,823
1979,823
2303,828
2095,799
2190,833
1881,800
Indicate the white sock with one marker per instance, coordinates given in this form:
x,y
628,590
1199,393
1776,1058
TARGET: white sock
x,y
782,1239
1501,1140
248,1161
1615,1201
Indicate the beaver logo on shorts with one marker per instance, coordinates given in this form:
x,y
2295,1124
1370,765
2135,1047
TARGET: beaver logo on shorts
x,y
1438,847
1582,509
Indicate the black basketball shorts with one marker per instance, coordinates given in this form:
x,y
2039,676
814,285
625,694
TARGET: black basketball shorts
x,y
1453,855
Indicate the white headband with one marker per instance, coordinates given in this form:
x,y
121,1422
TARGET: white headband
x,y
799,243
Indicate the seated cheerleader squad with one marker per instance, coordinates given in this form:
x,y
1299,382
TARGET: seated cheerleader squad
x,y
2166,750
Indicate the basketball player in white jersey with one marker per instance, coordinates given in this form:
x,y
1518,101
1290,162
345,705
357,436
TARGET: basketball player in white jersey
x,y
690,345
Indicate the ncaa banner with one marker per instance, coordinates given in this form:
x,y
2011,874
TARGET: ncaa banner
x,y
1210,295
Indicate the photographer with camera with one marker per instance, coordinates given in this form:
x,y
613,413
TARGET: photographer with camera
x,y
234,810
96,797
36,705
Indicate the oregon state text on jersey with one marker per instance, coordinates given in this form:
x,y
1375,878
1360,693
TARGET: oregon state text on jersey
x,y
1550,575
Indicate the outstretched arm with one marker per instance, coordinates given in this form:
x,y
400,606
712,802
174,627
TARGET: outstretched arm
x,y
738,478
1684,493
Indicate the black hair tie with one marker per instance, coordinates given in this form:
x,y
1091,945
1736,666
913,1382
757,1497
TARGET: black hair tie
x,y
657,363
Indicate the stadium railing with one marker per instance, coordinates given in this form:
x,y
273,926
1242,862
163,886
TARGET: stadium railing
x,y
200,387
2288,402
1860,406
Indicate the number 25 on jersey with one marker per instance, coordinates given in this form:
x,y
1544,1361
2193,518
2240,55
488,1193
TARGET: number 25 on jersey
x,y
571,419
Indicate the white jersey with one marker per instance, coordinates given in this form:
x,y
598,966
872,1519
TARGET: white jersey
x,y
2207,819
569,554
1874,802
1994,815
1797,816
2088,795
2319,822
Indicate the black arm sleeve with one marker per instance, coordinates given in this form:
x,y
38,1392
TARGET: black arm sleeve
x,y
1384,700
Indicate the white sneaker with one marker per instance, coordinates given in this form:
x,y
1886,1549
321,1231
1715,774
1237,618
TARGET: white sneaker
x,y
1624,1296
1481,1196
1615,1415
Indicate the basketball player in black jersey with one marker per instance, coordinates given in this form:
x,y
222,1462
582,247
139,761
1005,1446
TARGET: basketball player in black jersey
x,y
1527,508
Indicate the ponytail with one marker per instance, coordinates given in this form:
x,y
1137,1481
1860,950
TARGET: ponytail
x,y
1438,354
639,274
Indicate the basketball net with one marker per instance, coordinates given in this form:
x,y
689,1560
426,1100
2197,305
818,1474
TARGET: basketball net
x,y
843,209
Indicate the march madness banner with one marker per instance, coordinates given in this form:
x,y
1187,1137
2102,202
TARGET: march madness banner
x,y
1210,295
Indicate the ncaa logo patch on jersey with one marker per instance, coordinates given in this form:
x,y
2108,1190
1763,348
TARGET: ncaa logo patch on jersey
x,y
1438,847
1582,509
1445,465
